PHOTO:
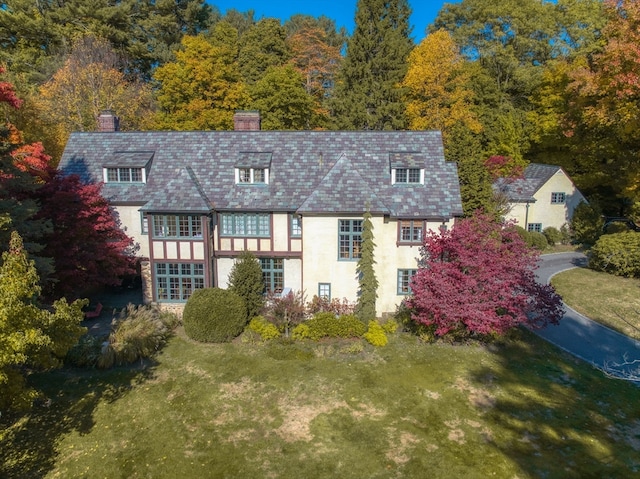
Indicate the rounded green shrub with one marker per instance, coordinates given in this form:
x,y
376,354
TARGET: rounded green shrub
x,y
617,254
301,332
537,240
264,328
390,326
375,335
553,235
214,315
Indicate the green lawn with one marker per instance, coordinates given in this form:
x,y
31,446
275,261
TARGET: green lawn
x,y
521,409
607,299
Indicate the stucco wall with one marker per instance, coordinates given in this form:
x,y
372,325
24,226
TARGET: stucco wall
x,y
543,211
131,222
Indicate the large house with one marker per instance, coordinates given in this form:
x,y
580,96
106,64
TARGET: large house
x,y
545,196
195,200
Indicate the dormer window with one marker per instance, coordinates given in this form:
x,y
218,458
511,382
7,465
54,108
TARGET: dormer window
x,y
128,167
407,168
252,176
408,175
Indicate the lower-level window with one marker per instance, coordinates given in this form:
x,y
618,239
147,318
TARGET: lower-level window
x,y
272,274
177,281
324,290
404,280
537,227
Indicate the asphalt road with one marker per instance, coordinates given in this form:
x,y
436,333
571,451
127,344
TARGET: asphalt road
x,y
607,350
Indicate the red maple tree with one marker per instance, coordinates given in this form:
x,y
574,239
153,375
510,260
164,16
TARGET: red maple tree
x,y
478,279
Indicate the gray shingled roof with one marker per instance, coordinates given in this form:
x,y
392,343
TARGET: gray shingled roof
x,y
319,172
523,189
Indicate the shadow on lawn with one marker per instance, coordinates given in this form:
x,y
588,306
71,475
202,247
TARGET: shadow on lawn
x,y
28,445
561,418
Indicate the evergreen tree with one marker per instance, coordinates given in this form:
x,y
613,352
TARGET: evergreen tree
x,y
262,46
368,283
245,279
30,336
367,95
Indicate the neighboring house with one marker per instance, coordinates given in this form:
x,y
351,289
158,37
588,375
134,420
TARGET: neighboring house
x,y
194,200
545,196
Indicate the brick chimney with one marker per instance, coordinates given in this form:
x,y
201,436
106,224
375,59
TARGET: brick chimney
x,y
108,121
246,121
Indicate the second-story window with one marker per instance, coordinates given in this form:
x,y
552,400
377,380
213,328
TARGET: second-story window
x,y
177,226
245,224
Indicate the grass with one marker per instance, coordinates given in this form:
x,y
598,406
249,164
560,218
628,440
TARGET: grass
x,y
610,300
521,409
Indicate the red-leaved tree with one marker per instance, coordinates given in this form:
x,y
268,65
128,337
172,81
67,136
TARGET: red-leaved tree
x,y
87,245
478,279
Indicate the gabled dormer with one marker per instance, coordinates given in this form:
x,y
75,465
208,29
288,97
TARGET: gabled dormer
x,y
127,167
407,168
253,168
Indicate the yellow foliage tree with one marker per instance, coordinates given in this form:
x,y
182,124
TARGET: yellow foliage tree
x,y
438,96
88,83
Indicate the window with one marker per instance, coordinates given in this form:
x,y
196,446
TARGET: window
x,y
246,224
272,274
124,175
144,223
558,198
349,239
324,290
411,231
177,281
407,175
180,226
296,226
537,227
404,279
252,175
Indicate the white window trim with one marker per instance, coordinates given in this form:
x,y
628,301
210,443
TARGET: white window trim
x,y
393,176
105,174
251,173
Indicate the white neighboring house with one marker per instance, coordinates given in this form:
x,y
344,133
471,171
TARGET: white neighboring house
x,y
545,196
195,200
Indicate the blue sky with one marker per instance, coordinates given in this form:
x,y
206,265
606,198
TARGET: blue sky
x,y
342,11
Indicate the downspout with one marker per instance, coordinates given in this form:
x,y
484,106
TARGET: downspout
x,y
526,216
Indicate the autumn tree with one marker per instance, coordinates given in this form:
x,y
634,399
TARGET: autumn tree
x,y
367,95
437,87
30,336
203,88
89,82
367,281
477,280
284,104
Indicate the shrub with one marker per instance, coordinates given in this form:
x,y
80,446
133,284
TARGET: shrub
x,y
214,315
553,235
85,353
245,279
537,240
617,254
328,325
301,332
335,306
264,328
285,311
138,333
586,224
390,326
375,335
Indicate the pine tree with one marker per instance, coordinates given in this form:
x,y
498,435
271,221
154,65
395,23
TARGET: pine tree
x,y
368,283
367,95
245,279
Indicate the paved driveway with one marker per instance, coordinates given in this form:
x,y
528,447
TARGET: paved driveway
x,y
586,339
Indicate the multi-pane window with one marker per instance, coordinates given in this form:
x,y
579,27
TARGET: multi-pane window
x,y
252,175
177,226
124,175
349,239
246,224
272,274
144,223
558,198
411,231
407,175
537,227
296,226
404,280
324,290
177,281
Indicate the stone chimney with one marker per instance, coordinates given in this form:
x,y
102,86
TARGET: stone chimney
x,y
108,121
246,121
